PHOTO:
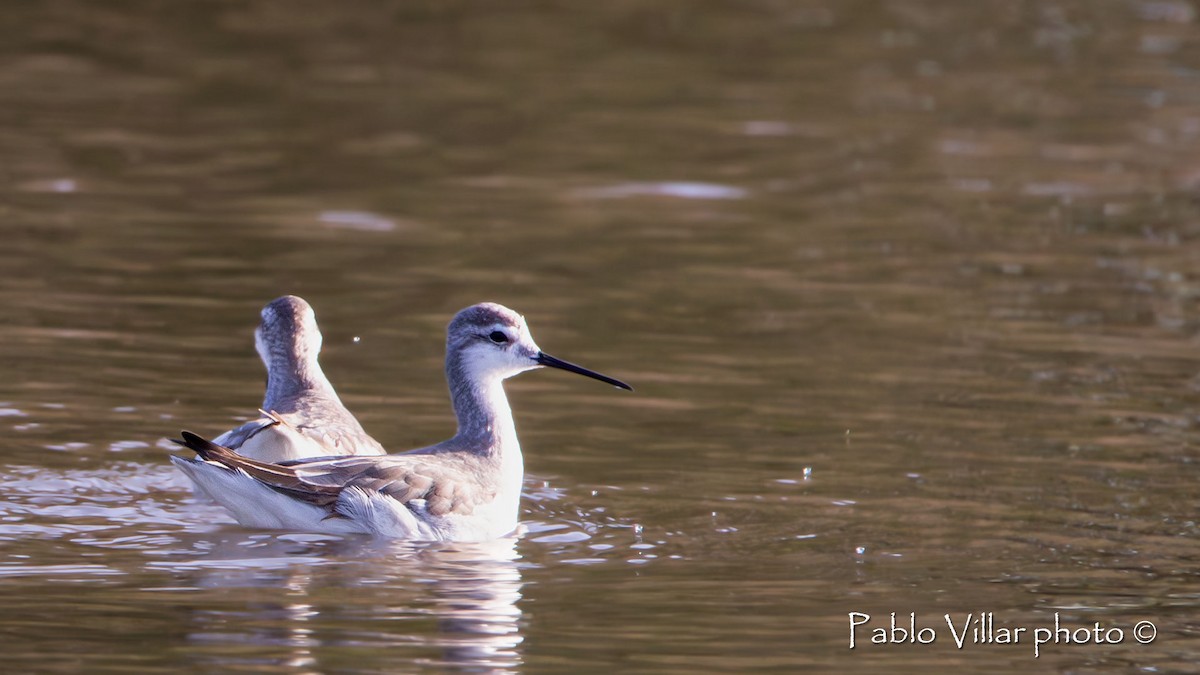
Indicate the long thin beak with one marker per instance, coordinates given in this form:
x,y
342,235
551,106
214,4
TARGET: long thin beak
x,y
544,359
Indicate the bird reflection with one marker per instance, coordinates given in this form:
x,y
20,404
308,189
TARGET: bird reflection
x,y
324,603
478,616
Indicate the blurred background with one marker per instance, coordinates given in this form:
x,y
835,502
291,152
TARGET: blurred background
x,y
907,289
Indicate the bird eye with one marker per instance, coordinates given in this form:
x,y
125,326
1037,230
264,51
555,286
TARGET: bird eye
x,y
498,337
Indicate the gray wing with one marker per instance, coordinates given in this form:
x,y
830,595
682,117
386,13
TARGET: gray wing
x,y
445,482
275,437
335,433
237,437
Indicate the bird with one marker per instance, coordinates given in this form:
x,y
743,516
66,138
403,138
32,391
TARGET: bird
x,y
301,414
466,488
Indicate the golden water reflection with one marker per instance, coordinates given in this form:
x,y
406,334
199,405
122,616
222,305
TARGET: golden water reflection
x,y
444,605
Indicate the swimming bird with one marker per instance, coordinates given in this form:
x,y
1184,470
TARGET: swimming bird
x,y
301,414
467,488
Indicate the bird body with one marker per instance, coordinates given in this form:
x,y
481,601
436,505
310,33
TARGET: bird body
x,y
301,415
466,488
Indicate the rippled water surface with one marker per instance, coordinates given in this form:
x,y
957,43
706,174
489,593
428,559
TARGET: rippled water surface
x,y
908,290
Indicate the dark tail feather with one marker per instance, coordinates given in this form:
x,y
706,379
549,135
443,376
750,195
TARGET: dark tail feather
x,y
211,452
280,478
207,450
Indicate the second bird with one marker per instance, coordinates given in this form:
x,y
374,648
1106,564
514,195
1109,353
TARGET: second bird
x,y
302,414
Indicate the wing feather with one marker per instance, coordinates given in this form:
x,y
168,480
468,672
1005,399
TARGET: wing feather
x,y
446,487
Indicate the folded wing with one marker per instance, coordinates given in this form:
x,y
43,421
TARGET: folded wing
x,y
443,488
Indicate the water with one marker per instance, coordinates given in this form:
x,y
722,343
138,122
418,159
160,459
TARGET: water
x,y
907,290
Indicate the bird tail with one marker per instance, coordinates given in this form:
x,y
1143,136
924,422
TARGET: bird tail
x,y
281,478
208,451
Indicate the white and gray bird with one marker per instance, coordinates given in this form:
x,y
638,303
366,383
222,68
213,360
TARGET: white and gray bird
x,y
301,414
467,488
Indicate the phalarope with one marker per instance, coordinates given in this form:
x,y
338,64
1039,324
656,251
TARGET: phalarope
x,y
466,488
301,414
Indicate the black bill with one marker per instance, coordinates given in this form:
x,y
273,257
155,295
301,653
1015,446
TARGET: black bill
x,y
545,359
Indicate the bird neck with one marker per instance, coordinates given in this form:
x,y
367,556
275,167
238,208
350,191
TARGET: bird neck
x,y
485,421
290,378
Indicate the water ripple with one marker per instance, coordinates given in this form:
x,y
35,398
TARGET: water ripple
x,y
677,189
